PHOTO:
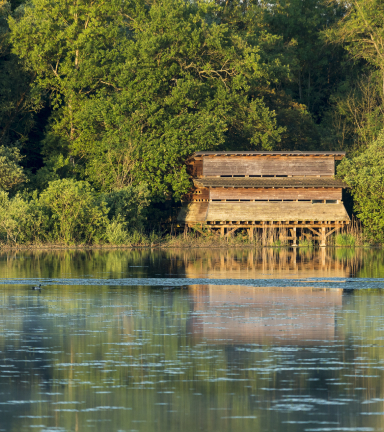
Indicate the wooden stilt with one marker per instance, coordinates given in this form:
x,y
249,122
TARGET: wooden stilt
x,y
323,237
294,237
229,233
250,233
222,231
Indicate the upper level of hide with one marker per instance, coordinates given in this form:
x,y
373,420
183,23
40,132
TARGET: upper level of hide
x,y
263,164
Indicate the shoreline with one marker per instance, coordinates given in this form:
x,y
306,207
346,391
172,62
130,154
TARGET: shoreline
x,y
48,248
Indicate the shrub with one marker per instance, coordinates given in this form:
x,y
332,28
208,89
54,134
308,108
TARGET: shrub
x,y
21,221
10,214
116,232
76,215
71,212
129,204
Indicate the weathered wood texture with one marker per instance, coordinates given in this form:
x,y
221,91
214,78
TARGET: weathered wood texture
x,y
200,194
279,165
277,193
261,211
334,155
277,211
193,212
195,168
266,182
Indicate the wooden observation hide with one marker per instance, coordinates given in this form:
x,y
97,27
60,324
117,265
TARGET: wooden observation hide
x,y
293,193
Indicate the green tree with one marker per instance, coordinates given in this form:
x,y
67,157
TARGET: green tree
x,y
70,49
354,117
138,87
365,175
129,204
315,65
18,102
361,31
358,103
11,173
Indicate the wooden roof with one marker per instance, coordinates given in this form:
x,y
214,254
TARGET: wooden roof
x,y
270,182
202,212
337,155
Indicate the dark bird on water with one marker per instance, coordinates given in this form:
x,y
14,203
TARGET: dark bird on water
x,y
37,288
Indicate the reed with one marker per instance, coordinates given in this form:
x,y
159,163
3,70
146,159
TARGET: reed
x,y
202,237
351,236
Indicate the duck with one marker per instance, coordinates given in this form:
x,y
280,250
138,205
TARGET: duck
x,y
37,288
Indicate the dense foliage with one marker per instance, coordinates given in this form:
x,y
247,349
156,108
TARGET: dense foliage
x,y
365,174
102,102
72,212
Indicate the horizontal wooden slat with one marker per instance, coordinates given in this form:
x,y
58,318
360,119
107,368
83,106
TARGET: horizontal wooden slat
x,y
193,213
224,165
277,193
279,211
262,211
336,155
267,182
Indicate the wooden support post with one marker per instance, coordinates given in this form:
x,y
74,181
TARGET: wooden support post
x,y
229,233
317,233
250,233
211,231
332,231
222,231
294,243
323,237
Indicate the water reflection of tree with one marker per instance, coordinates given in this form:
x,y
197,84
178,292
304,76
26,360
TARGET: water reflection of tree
x,y
342,262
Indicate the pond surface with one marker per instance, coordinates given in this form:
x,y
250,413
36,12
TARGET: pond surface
x,y
192,340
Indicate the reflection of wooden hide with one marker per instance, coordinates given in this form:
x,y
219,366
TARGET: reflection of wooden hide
x,y
282,316
267,265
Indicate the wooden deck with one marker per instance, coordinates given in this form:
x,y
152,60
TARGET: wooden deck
x,y
253,213
224,218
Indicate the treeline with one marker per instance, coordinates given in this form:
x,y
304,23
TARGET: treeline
x,y
102,102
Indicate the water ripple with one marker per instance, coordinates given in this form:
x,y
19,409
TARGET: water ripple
x,y
363,283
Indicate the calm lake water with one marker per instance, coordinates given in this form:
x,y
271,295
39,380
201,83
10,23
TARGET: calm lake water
x,y
192,340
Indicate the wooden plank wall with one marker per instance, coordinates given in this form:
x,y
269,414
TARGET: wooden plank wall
x,y
274,194
294,165
274,211
193,212
195,168
200,194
